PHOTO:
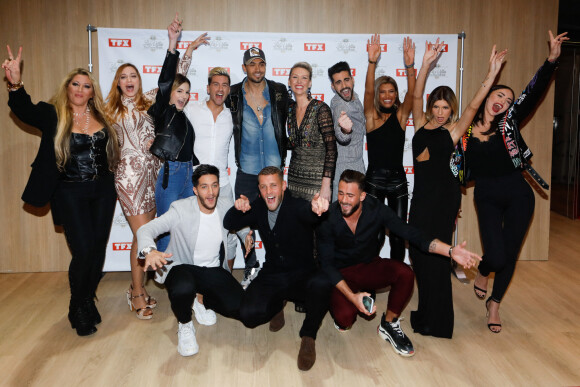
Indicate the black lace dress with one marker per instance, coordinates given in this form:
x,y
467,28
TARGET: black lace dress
x,y
313,146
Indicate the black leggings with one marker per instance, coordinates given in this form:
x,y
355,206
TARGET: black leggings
x,y
86,210
265,297
505,206
221,292
391,184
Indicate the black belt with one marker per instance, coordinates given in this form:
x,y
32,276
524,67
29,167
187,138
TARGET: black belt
x,y
536,176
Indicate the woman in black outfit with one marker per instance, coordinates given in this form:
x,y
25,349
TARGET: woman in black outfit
x,y
72,171
386,121
174,135
436,194
504,200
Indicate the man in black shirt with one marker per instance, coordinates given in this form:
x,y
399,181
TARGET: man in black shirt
x,y
348,247
286,226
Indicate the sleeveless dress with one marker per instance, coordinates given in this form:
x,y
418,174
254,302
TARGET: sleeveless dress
x,y
434,206
313,146
386,176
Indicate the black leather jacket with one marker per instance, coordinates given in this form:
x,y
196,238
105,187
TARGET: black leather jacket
x,y
279,103
171,125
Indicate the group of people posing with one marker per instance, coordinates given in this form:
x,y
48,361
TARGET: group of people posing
x,y
323,229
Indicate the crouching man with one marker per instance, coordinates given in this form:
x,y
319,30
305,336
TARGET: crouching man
x,y
195,260
348,247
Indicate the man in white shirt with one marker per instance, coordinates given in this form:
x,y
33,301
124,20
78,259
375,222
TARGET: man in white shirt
x,y
196,258
213,126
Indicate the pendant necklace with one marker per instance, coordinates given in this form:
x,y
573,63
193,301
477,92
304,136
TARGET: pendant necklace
x,y
76,119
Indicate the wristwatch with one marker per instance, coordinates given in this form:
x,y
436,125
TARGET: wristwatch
x,y
143,253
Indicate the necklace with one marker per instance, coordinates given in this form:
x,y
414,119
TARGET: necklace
x,y
77,120
258,107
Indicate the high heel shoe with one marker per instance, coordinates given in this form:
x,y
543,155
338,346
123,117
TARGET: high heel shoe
x,y
142,313
478,289
490,325
151,302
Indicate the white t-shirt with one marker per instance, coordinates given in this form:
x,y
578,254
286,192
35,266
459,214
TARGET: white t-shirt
x,y
209,240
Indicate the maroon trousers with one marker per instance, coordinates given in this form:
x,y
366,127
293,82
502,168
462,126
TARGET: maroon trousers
x,y
377,274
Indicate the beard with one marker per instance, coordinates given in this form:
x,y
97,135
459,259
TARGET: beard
x,y
342,96
353,209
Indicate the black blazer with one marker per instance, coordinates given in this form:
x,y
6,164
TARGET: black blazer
x,y
289,246
44,177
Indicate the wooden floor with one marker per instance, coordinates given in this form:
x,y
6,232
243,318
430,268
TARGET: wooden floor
x,y
540,343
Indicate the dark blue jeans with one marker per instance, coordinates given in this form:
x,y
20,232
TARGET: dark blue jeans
x,y
180,187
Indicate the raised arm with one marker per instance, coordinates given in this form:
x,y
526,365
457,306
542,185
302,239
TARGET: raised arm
x,y
529,98
374,50
11,66
185,62
37,115
495,62
409,59
431,54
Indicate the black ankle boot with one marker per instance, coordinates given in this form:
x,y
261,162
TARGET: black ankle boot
x,y
80,319
95,316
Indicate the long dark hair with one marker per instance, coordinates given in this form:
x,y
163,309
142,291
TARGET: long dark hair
x,y
478,119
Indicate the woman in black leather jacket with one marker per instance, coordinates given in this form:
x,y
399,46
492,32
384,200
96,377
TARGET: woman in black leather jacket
x,y
73,171
174,135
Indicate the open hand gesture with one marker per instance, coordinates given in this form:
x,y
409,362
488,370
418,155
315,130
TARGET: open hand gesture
x,y
156,259
464,257
11,65
496,60
432,52
556,45
408,51
374,47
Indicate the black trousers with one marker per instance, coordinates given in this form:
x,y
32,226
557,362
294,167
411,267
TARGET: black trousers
x,y
391,184
265,297
221,292
505,206
86,210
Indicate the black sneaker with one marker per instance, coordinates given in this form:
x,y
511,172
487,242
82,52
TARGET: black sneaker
x,y
392,332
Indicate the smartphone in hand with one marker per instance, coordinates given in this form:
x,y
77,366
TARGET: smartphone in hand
x,y
368,303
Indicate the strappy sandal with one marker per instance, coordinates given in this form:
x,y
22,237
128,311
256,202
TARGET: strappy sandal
x,y
490,325
151,302
477,289
142,313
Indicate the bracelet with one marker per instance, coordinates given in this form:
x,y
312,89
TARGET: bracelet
x,y
15,86
370,61
451,251
410,66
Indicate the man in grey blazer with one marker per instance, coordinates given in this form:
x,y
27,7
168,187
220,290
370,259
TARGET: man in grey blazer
x,y
195,260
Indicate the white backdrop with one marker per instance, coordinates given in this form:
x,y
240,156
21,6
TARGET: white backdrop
x,y
146,50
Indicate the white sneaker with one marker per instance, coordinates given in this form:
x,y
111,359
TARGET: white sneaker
x,y
249,275
202,315
186,342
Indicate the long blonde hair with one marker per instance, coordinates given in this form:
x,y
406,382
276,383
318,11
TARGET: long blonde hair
x,y
64,116
114,108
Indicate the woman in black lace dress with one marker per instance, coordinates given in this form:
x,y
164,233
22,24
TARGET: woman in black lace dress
x,y
310,137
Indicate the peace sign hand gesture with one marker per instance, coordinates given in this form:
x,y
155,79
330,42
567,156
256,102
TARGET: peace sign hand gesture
x,y
11,65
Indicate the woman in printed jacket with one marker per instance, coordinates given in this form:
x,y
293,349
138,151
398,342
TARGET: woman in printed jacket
x,y
495,155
